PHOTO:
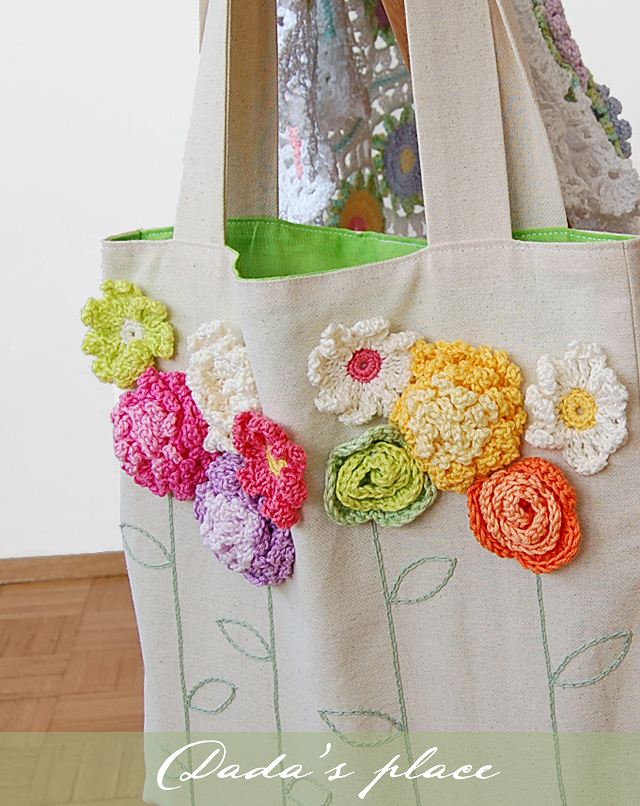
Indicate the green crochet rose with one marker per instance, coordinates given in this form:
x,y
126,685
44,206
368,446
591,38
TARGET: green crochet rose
x,y
375,477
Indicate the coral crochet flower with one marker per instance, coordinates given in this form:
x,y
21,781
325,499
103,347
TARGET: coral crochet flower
x,y
221,381
158,433
578,407
375,477
232,526
527,511
128,332
462,413
360,370
274,467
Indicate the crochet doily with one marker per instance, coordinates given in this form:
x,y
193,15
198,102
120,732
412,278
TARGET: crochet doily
x,y
345,93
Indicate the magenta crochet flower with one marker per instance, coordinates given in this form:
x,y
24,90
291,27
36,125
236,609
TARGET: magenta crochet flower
x,y
232,526
274,467
158,432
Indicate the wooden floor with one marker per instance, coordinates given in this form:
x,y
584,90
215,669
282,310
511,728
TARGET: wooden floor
x,y
69,657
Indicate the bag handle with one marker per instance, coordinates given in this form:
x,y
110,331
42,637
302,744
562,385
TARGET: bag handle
x,y
486,162
482,177
231,158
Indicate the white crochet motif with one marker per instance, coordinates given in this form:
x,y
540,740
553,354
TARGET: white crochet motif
x,y
221,381
361,370
339,77
578,407
601,190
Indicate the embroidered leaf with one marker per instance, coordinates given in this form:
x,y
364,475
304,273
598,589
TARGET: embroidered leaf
x,y
243,637
594,653
176,761
431,573
312,793
144,548
215,687
342,723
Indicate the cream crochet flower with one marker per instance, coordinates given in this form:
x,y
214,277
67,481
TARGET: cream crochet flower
x,y
221,381
360,370
578,407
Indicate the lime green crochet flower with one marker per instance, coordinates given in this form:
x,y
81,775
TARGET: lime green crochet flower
x,y
128,331
375,477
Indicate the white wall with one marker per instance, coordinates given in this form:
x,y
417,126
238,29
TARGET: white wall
x,y
95,101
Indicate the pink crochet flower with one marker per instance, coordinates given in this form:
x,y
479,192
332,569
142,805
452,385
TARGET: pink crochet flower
x,y
158,432
274,467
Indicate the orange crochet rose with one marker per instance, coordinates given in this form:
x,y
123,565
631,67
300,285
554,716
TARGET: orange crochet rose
x,y
527,511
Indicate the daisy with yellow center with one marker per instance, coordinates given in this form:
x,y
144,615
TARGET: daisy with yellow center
x,y
578,407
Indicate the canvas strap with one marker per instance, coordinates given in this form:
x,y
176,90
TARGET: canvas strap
x,y
236,92
486,163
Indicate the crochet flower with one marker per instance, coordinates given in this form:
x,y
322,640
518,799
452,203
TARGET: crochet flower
x,y
232,526
578,407
158,433
358,206
128,331
462,413
375,477
274,467
527,511
360,370
398,161
221,381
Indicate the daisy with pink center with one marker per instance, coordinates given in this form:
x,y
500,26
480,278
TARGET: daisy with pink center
x,y
360,371
274,467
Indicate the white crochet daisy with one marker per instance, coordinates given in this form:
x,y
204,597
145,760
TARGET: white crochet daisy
x,y
578,407
361,370
221,381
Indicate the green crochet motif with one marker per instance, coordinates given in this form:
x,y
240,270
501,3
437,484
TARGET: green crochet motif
x,y
375,477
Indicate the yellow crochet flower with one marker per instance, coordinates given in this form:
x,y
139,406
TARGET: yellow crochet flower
x,y
128,331
462,415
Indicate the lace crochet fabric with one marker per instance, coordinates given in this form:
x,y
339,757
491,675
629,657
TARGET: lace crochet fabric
x,y
348,156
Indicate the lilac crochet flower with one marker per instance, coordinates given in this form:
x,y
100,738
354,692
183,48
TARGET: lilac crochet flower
x,y
232,526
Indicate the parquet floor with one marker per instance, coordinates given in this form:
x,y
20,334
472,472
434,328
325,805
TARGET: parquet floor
x,y
69,657
70,663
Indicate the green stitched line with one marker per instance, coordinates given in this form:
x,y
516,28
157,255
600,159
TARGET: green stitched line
x,y
134,557
292,782
220,708
628,636
393,596
394,649
221,623
552,694
276,690
324,716
176,603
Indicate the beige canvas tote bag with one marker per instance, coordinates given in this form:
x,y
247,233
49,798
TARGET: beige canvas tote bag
x,y
467,557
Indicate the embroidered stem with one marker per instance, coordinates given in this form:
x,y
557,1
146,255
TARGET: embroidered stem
x,y
276,690
176,603
394,651
552,693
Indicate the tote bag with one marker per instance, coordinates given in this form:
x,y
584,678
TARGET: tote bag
x,y
468,555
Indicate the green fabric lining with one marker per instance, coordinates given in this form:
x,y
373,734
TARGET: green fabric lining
x,y
269,248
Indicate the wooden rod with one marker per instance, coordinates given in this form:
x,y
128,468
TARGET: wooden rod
x,y
397,18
